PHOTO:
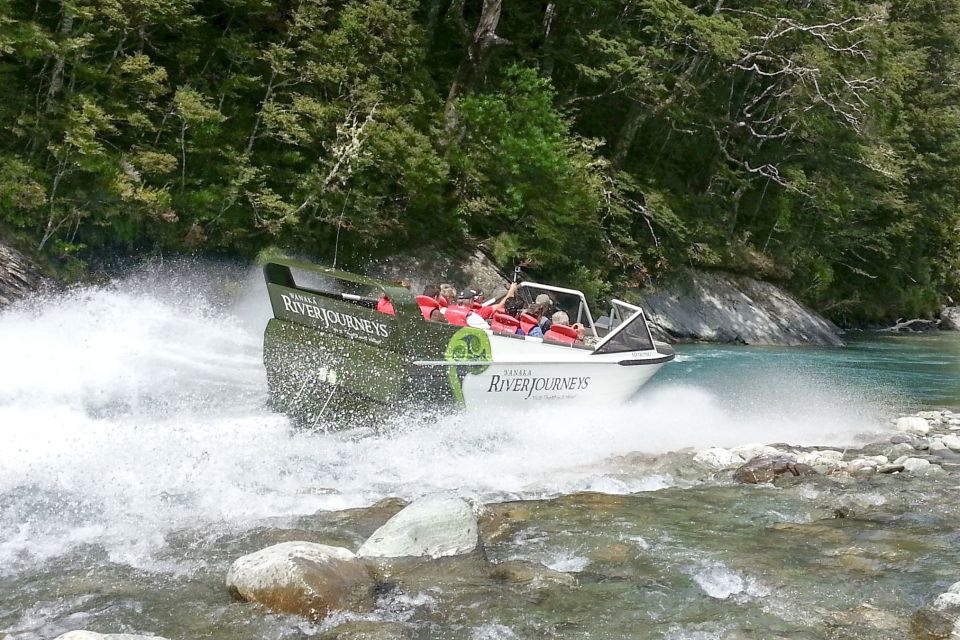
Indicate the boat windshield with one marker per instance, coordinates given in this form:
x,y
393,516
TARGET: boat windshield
x,y
570,301
628,331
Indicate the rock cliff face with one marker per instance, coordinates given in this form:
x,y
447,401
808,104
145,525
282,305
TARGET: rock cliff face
x,y
470,270
18,275
718,307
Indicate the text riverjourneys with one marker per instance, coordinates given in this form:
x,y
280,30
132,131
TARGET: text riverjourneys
x,y
533,385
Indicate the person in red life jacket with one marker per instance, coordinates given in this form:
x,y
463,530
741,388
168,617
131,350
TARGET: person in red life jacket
x,y
462,312
448,295
513,308
488,311
536,311
562,320
429,303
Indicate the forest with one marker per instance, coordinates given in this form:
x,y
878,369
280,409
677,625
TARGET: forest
x,y
596,143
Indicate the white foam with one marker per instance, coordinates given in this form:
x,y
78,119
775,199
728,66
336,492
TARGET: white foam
x,y
136,409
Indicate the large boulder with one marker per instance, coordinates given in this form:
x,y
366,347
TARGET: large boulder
x,y
721,307
950,319
90,635
766,469
18,275
433,526
302,578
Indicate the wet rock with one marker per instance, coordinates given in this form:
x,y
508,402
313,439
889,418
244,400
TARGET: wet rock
x,y
523,572
302,578
367,630
499,522
899,450
940,619
937,444
824,458
951,442
866,619
755,450
90,635
950,319
890,468
917,466
842,512
767,468
718,458
913,424
936,416
901,438
433,526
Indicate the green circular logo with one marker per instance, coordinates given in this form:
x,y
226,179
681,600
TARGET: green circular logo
x,y
469,346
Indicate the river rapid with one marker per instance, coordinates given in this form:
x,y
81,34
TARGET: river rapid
x,y
138,460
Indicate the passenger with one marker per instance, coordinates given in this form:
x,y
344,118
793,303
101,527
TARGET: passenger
x,y
463,301
537,311
448,294
561,318
489,310
546,303
433,291
514,307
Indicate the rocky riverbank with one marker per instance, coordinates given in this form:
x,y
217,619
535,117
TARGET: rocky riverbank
x,y
785,541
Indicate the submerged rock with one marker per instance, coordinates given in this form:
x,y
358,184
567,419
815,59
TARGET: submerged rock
x,y
767,468
433,526
302,578
367,630
90,635
521,571
939,620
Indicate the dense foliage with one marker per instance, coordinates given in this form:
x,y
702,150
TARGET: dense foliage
x,y
598,142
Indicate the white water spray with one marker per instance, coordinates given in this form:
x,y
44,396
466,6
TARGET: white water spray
x,y
133,410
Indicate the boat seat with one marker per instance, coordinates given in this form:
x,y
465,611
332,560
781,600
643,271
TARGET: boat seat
x,y
385,306
561,333
457,315
528,322
427,305
505,323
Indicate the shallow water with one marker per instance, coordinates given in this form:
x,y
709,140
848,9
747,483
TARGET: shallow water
x,y
138,461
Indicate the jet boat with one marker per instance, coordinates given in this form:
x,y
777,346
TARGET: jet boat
x,y
340,343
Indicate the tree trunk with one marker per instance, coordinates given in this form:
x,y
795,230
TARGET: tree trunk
x,y
628,132
549,17
471,67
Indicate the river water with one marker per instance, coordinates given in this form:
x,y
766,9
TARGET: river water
x,y
138,461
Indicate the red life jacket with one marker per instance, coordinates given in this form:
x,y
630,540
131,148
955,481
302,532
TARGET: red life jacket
x,y
561,333
427,305
527,322
457,315
505,323
385,306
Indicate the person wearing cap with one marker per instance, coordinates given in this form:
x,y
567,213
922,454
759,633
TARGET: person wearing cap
x,y
486,312
546,304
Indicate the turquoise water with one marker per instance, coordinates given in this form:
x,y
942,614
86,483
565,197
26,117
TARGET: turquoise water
x,y
900,372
